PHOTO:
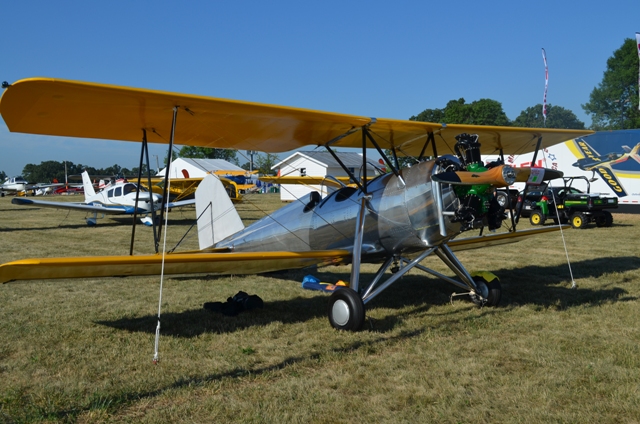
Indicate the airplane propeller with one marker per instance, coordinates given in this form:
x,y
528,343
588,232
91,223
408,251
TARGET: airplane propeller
x,y
500,176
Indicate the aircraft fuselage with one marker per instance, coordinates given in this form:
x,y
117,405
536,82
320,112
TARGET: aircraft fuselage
x,y
401,217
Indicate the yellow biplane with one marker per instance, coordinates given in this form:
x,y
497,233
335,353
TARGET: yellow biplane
x,y
397,219
185,188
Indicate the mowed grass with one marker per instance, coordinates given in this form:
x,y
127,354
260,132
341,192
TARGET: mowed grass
x,y
82,350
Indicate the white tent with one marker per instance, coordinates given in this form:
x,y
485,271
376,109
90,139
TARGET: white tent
x,y
198,168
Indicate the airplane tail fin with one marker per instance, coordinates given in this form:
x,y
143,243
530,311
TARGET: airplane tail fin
x,y
88,185
217,217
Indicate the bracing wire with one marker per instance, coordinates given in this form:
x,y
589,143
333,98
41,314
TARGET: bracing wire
x,y
164,248
564,242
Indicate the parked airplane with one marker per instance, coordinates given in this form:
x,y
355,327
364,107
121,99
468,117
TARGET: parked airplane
x,y
15,185
185,188
20,187
115,199
397,219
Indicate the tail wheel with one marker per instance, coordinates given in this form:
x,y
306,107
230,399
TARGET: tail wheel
x,y
537,218
578,220
346,310
489,290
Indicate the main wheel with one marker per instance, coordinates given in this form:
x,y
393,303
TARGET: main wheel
x,y
346,310
490,291
537,218
578,220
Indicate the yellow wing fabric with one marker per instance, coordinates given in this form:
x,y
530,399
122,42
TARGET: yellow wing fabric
x,y
79,109
497,239
174,264
182,188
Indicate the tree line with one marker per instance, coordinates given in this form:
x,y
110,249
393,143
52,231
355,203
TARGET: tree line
x,y
612,105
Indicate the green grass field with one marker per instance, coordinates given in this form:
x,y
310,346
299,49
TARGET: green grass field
x,y
82,350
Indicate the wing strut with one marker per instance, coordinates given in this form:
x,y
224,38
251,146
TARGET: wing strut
x,y
357,243
144,152
430,139
526,185
165,189
343,166
393,168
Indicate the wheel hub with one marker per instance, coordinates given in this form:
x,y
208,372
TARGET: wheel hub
x,y
340,312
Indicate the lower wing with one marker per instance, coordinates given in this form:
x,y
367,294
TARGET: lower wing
x,y
175,263
211,261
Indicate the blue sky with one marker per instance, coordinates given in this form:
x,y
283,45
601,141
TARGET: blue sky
x,y
381,59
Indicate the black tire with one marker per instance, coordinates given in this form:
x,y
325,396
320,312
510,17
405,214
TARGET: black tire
x,y
578,220
537,218
608,219
493,292
346,310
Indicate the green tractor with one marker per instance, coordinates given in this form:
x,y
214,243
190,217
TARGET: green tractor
x,y
569,205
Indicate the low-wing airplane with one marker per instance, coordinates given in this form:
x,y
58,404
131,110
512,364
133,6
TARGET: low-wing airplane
x,y
603,164
15,185
397,219
20,187
114,199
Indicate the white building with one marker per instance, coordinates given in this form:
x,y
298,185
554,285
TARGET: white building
x,y
198,168
317,164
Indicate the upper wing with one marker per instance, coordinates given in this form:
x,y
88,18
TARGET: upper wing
x,y
337,182
79,109
96,207
176,263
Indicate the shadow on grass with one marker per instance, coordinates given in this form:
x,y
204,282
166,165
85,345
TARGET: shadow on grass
x,y
113,402
542,286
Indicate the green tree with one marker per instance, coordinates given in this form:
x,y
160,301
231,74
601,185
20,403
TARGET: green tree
x,y
3,176
557,117
45,172
429,115
114,170
264,162
479,112
613,104
206,153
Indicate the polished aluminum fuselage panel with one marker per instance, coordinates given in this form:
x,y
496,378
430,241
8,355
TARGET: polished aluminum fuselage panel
x,y
401,217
